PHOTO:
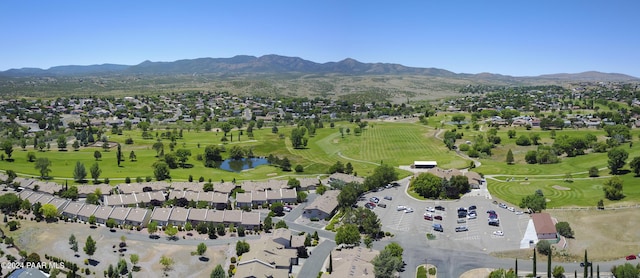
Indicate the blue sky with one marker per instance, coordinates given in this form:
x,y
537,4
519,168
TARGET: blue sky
x,y
520,38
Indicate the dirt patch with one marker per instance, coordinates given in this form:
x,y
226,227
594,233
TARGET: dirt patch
x,y
558,187
52,239
272,174
607,235
525,182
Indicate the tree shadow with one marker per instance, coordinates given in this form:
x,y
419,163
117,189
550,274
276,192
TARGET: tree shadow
x,y
93,262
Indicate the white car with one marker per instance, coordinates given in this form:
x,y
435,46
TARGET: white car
x,y
511,209
519,212
431,209
498,233
401,208
408,210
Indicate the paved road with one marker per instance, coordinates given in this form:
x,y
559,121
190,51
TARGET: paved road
x,y
314,263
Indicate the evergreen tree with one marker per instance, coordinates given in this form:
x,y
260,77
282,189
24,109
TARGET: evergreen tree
x,y
330,263
534,263
510,157
549,265
586,262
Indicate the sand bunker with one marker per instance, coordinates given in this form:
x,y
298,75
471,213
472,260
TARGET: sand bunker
x,y
557,187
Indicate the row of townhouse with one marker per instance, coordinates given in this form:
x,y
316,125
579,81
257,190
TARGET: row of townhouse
x,y
179,216
216,200
140,217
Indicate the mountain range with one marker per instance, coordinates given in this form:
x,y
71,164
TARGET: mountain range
x,y
276,64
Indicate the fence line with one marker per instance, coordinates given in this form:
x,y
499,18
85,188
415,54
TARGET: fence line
x,y
595,208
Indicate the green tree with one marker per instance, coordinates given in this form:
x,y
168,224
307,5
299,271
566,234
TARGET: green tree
x,y
635,165
613,189
242,247
626,270
79,172
211,156
510,157
348,234
236,152
132,156
43,166
97,155
218,272
161,170
7,147
593,172
386,264
564,229
226,127
31,156
427,185
201,249
49,211
171,231
502,273
62,142
90,246
119,155
70,193
183,155
134,258
95,172
158,146
152,227
511,133
536,202
281,224
76,145
297,137
617,160
10,203
111,223
458,118
92,219
267,224
166,262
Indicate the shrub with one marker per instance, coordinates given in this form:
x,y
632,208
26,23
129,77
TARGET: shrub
x,y
432,271
544,247
564,229
233,260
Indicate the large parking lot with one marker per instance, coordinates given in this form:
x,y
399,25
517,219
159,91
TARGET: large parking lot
x,y
479,235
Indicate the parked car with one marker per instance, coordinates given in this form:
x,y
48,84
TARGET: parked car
x,y
582,264
437,227
631,257
519,212
438,217
370,205
374,199
408,210
382,205
472,216
461,229
428,216
511,209
388,198
472,207
491,211
430,209
494,223
441,208
401,208
498,233
287,208
501,205
461,221
395,184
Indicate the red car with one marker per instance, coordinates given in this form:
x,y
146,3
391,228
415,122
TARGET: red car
x,y
631,257
428,217
438,217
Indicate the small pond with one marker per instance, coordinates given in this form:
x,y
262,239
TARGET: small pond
x,y
237,165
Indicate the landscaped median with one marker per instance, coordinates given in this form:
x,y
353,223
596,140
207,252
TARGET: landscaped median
x,y
426,271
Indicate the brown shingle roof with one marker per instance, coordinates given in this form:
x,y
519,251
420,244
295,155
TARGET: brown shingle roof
x,y
244,197
179,214
103,212
326,202
137,214
197,214
543,223
251,218
87,210
232,216
120,213
161,214
220,198
215,216
73,208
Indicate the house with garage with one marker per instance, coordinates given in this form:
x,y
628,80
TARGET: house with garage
x,y
250,220
243,199
197,216
59,203
72,209
220,200
178,216
266,258
102,214
215,216
258,198
86,211
323,206
119,214
232,217
161,216
289,196
138,217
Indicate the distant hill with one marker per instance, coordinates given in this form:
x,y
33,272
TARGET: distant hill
x,y
276,64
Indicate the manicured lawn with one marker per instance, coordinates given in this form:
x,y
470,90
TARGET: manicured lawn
x,y
392,143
